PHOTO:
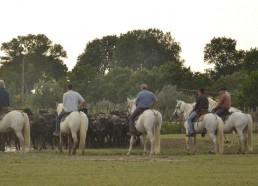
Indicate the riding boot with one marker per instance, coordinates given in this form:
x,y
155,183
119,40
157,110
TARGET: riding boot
x,y
56,133
132,128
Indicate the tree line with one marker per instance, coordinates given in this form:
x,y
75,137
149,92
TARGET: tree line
x,y
112,68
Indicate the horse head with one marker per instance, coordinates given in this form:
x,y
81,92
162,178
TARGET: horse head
x,y
131,105
212,103
59,107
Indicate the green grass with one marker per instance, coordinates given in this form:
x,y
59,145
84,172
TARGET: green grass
x,y
113,167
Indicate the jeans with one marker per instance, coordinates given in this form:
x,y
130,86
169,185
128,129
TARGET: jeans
x,y
190,122
221,111
58,120
136,112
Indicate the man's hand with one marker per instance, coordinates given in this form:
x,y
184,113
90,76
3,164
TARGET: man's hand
x,y
82,105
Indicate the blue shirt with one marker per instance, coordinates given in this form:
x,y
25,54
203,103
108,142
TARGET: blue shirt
x,y
145,98
4,98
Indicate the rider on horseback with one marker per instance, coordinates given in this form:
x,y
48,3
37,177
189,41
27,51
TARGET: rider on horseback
x,y
72,102
144,100
224,103
4,99
202,105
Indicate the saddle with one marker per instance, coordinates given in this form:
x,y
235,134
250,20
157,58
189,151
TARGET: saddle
x,y
140,113
65,116
225,116
200,116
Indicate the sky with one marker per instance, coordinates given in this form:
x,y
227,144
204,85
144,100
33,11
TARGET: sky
x,y
74,23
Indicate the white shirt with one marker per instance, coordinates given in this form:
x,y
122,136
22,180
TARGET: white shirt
x,y
71,100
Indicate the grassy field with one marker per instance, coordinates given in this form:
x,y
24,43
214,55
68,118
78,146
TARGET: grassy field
x,y
113,167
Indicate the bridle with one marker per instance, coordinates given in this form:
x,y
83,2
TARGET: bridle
x,y
178,108
181,111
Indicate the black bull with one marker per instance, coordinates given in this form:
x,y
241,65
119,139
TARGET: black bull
x,y
104,131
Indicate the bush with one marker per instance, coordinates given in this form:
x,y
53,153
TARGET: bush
x,y
171,128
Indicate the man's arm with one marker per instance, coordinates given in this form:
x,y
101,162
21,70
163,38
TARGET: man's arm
x,y
220,101
155,101
82,102
198,101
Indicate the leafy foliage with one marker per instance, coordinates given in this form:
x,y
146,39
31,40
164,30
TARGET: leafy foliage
x,y
40,56
223,54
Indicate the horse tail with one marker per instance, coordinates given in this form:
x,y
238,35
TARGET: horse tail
x,y
220,135
157,127
250,133
26,132
83,125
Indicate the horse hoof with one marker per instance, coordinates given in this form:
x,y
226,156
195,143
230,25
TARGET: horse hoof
x,y
128,153
211,152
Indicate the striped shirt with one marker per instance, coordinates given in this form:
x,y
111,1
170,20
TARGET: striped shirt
x,y
71,100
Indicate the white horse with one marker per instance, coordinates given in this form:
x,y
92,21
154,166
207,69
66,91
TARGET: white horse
x,y
211,123
75,122
18,122
149,122
241,123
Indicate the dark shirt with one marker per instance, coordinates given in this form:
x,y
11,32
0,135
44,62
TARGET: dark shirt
x,y
202,103
145,98
4,98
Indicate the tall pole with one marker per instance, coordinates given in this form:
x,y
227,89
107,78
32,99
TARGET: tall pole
x,y
22,94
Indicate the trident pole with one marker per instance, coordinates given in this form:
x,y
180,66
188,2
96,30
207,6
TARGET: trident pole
x,y
22,93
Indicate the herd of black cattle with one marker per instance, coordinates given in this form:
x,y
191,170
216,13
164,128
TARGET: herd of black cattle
x,y
105,130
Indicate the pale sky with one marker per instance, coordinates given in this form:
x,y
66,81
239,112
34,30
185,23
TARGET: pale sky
x,y
73,23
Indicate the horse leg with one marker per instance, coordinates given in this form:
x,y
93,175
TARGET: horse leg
x,y
187,142
21,138
245,136
194,144
61,143
242,141
131,145
152,143
144,143
75,141
69,142
213,140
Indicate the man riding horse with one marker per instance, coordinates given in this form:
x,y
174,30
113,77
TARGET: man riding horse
x,y
72,102
201,106
4,99
224,103
144,100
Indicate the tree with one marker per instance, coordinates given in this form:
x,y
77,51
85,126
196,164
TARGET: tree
x,y
249,91
168,95
172,73
99,53
87,81
40,56
251,60
47,93
115,85
223,54
139,49
145,76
